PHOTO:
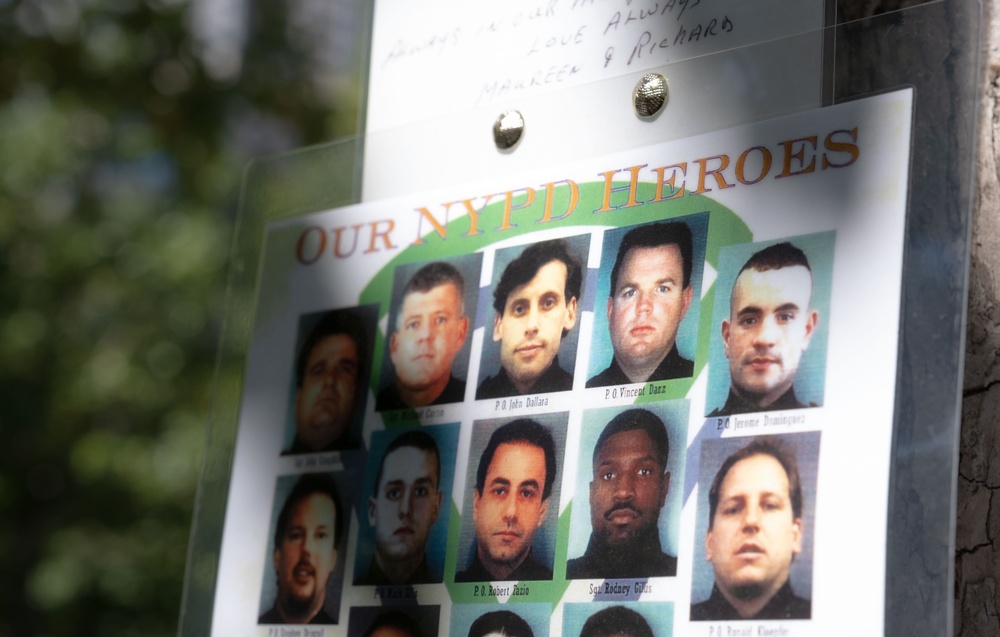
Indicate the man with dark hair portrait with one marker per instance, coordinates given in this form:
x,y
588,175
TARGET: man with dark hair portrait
x,y
754,533
404,507
394,623
536,306
329,382
500,623
770,326
431,327
306,538
513,484
629,487
649,295
616,621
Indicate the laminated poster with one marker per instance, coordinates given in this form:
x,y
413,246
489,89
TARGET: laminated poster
x,y
647,393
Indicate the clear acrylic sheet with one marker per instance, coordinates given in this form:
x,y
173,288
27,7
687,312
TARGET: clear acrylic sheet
x,y
932,48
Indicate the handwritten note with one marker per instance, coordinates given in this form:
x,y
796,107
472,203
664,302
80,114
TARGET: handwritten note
x,y
433,58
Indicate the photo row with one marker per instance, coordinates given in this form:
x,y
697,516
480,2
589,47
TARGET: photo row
x,y
766,328
754,531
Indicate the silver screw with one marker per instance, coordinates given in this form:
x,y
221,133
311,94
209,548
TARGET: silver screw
x,y
507,129
649,95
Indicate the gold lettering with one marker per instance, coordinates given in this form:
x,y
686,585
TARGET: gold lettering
x,y
800,156
703,174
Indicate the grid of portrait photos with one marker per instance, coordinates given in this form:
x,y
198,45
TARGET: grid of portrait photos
x,y
574,356
633,423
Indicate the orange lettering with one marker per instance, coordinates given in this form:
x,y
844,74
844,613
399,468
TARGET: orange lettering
x,y
574,198
660,181
841,147
384,234
301,244
765,168
631,187
800,156
720,181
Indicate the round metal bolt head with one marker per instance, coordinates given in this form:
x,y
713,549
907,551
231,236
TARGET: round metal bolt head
x,y
649,95
507,129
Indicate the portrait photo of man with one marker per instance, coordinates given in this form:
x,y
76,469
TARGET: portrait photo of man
x,y
629,513
427,355
402,539
380,621
536,306
513,501
650,289
331,376
515,620
615,619
772,352
756,522
303,585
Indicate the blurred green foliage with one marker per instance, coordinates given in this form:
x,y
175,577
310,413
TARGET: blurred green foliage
x,y
121,152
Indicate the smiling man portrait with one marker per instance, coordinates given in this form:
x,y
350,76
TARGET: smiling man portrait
x,y
755,531
770,326
649,295
306,538
536,307
509,503
430,329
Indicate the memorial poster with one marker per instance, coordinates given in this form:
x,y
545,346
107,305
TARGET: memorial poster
x,y
648,391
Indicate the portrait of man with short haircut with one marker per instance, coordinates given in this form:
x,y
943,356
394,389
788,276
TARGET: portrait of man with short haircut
x,y
402,538
302,585
381,621
536,305
511,510
756,520
775,300
331,376
631,468
427,355
509,620
616,619
652,285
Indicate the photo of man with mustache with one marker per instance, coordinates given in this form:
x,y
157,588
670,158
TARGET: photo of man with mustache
x,y
627,493
307,535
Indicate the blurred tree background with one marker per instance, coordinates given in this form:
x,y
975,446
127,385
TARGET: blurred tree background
x,y
124,129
